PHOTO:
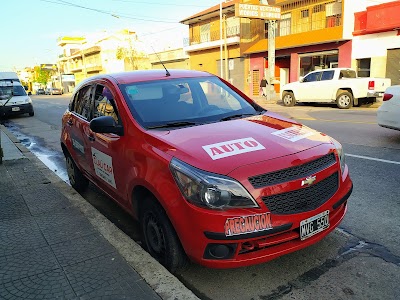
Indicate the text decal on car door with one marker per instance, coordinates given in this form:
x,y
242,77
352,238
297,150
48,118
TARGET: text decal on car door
x,y
103,166
233,147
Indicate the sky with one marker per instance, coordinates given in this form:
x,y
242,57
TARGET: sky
x,y
30,28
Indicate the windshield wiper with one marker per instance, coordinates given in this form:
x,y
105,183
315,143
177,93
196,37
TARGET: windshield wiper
x,y
173,124
238,116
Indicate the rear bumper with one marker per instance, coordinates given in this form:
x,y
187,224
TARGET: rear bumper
x,y
373,94
11,110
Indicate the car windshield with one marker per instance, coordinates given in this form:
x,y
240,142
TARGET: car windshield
x,y
5,91
19,91
180,102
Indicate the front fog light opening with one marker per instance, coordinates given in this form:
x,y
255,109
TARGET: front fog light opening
x,y
220,251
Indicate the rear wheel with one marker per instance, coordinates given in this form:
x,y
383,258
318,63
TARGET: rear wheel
x,y
288,99
77,180
344,100
159,237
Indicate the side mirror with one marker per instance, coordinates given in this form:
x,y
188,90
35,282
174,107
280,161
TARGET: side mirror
x,y
106,124
301,79
29,93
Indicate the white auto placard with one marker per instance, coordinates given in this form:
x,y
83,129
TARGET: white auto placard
x,y
103,166
232,147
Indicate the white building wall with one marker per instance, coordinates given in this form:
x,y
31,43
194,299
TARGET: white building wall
x,y
375,46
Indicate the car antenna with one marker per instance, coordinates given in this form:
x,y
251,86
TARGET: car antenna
x,y
167,73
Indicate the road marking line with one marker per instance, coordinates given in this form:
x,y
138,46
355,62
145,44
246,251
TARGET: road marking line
x,y
376,159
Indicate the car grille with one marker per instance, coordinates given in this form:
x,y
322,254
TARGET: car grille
x,y
293,173
304,199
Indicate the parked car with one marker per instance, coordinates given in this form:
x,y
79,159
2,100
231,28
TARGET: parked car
x,y
336,85
388,114
40,92
14,100
53,91
209,174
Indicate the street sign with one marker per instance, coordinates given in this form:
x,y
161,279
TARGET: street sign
x,y
253,11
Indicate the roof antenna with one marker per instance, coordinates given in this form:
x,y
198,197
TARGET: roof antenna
x,y
167,73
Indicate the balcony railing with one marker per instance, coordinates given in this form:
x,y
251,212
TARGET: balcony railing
x,y
211,36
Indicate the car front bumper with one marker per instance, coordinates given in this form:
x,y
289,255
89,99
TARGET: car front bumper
x,y
11,110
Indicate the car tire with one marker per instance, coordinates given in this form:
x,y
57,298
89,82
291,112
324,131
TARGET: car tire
x,y
288,99
159,238
32,113
344,100
77,180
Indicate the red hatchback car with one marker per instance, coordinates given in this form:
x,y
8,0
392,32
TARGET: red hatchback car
x,y
210,175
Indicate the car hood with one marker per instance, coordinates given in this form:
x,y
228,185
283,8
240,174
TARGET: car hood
x,y
16,100
224,146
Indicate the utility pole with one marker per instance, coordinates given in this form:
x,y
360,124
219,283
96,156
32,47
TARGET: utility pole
x,y
271,57
220,38
226,52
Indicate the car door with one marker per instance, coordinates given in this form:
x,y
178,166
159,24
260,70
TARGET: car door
x,y
325,86
77,123
307,88
106,150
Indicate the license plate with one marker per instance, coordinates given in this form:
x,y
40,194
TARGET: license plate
x,y
15,108
314,225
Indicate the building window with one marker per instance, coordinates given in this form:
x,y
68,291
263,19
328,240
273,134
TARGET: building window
x,y
305,13
364,67
285,24
318,8
205,33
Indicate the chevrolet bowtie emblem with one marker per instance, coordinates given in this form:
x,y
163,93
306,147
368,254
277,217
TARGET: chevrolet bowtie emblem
x,y
309,180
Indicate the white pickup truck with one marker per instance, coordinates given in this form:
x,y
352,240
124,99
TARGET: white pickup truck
x,y
336,85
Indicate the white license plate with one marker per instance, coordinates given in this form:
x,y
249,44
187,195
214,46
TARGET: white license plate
x,y
314,225
15,108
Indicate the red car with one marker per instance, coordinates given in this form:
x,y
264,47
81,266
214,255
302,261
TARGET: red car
x,y
210,175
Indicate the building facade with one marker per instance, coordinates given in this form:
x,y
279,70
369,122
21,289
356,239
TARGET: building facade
x,y
84,57
376,41
310,35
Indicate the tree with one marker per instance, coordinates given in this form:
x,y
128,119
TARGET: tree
x,y
42,75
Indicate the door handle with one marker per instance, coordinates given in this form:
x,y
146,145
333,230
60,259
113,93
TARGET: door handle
x,y
70,123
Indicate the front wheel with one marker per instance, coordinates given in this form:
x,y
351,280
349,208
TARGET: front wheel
x,y
288,99
344,100
31,114
159,237
77,180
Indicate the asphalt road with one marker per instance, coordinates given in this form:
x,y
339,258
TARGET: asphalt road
x,y
360,260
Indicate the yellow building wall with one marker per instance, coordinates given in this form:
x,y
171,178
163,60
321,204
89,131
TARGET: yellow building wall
x,y
207,60
378,66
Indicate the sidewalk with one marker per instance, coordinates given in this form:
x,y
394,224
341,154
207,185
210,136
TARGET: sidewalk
x,y
55,245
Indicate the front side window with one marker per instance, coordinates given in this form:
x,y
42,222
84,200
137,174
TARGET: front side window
x,y
327,75
187,100
312,77
104,104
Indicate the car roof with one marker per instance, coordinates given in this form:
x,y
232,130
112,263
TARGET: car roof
x,y
148,75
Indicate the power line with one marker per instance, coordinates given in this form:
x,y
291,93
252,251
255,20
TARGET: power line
x,y
115,15
158,3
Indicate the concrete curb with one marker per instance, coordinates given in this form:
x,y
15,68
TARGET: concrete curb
x,y
157,277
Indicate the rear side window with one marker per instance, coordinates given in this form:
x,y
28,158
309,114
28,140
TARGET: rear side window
x,y
327,75
82,102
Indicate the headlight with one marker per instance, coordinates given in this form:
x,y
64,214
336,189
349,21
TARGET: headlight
x,y
28,100
209,190
339,149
